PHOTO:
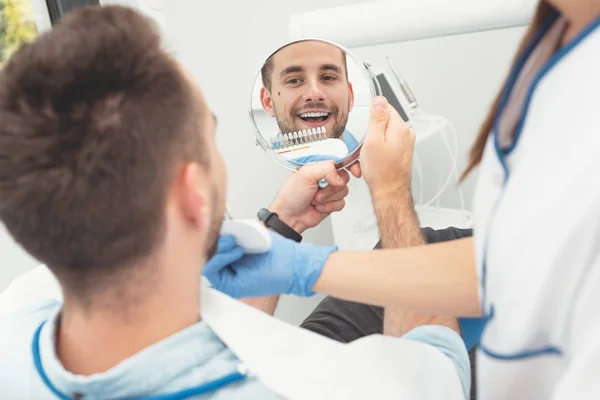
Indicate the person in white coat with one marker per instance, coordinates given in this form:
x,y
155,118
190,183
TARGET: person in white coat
x,y
532,271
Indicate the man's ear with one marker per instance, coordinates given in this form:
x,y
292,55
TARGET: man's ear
x,y
351,95
267,101
193,195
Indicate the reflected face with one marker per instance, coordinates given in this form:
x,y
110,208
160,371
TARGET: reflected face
x,y
309,88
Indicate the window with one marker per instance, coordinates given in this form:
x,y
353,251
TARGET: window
x,y
58,8
22,20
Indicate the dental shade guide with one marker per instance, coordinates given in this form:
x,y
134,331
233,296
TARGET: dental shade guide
x,y
307,142
313,141
307,136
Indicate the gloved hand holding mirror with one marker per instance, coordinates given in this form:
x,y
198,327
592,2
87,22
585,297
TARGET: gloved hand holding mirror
x,y
310,102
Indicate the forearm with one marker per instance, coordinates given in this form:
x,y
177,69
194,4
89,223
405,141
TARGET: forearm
x,y
398,223
399,227
397,322
265,304
435,279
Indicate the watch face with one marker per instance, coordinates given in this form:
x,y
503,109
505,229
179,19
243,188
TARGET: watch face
x,y
263,214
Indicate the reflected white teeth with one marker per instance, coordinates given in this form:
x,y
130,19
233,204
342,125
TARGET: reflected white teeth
x,y
314,114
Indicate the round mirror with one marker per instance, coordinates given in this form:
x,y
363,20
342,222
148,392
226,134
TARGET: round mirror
x,y
310,102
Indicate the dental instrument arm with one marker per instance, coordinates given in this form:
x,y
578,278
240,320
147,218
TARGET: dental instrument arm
x,y
432,279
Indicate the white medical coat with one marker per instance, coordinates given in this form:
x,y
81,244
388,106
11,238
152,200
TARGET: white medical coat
x,y
537,229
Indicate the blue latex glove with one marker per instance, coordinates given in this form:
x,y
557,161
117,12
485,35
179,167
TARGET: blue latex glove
x,y
287,268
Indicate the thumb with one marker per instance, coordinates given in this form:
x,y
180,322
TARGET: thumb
x,y
316,171
333,177
379,117
355,170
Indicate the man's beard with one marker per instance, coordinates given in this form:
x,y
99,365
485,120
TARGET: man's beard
x,y
215,228
336,132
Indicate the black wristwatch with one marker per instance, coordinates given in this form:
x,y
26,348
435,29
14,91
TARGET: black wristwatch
x,y
271,220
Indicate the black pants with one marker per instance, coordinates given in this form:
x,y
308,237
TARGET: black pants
x,y
346,321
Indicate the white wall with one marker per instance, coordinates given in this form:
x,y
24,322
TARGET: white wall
x,y
456,77
13,260
223,44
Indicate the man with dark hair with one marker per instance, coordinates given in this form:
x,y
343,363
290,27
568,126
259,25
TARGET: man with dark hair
x,y
64,112
110,176
306,87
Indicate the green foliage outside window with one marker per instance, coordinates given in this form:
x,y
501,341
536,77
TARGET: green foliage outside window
x,y
17,26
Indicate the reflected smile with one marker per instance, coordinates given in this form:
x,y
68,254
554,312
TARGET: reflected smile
x,y
314,119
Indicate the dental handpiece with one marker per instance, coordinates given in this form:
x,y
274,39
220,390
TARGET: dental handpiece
x,y
408,93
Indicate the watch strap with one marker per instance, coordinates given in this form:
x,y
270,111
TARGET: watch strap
x,y
271,220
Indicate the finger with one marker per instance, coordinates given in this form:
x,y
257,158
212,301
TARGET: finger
x,y
344,175
221,280
325,195
339,194
314,172
222,260
355,170
378,119
330,193
397,129
225,243
334,178
332,206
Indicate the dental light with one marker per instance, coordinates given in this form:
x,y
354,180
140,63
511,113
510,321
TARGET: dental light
x,y
390,21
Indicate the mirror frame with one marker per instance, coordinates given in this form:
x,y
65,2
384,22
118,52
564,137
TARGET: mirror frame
x,y
374,88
